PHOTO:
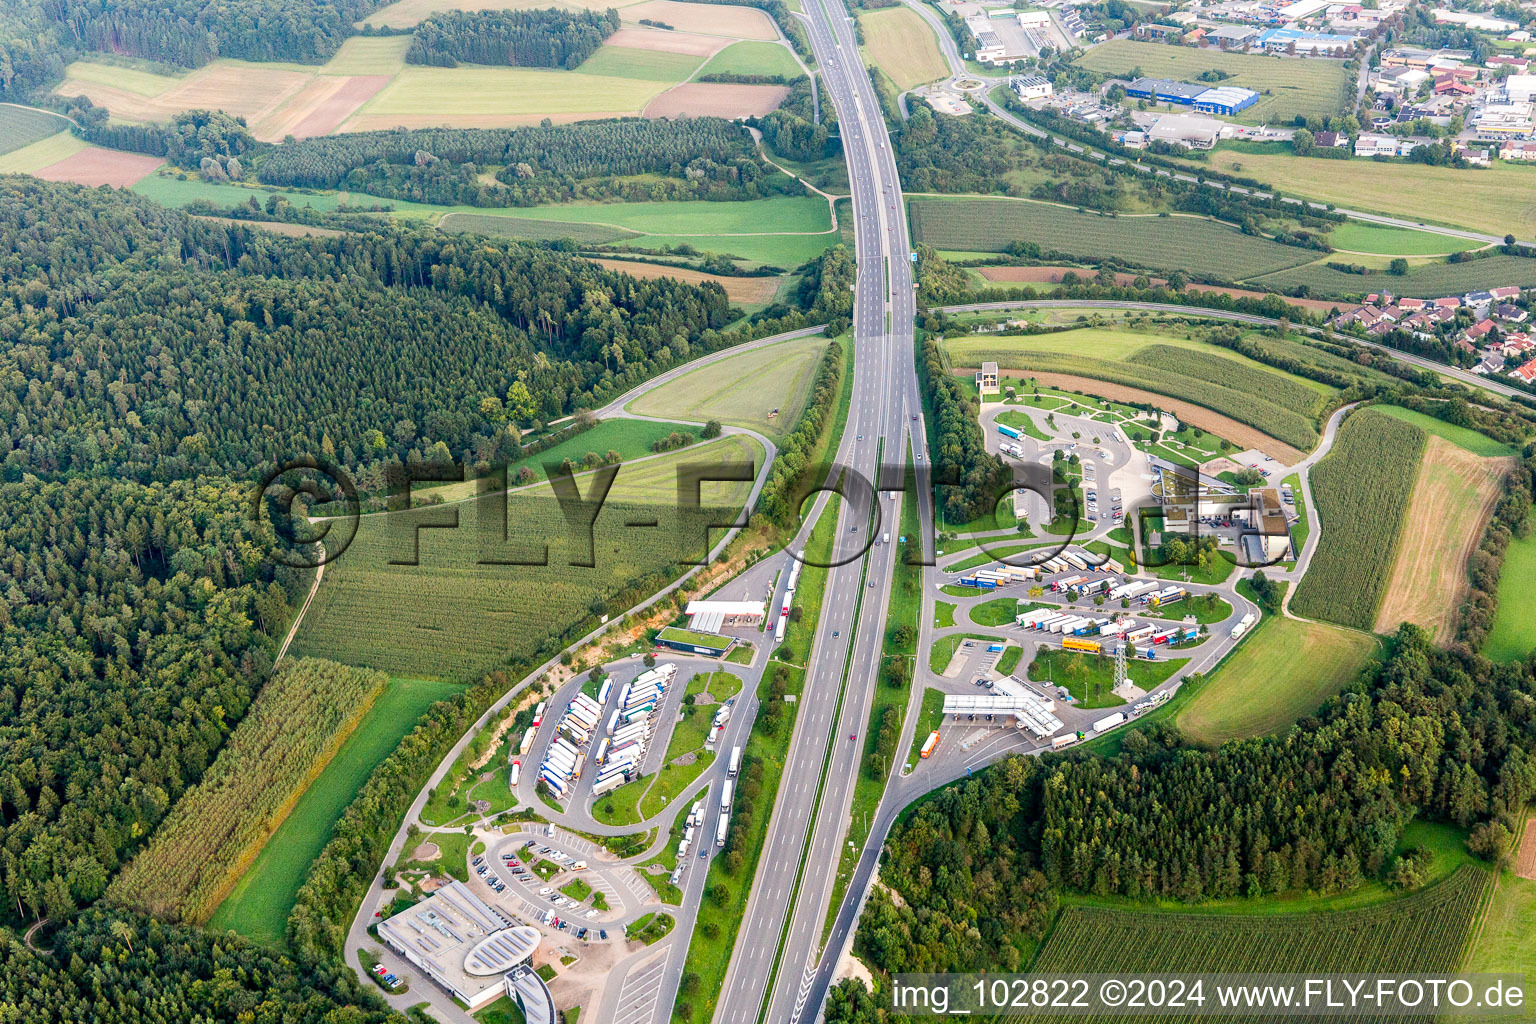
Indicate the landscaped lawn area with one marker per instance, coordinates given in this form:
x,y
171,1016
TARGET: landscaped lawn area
x,y
577,890
945,647
1000,612
1089,678
260,902
943,614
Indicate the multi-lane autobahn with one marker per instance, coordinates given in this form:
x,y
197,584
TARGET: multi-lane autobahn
x,y
773,963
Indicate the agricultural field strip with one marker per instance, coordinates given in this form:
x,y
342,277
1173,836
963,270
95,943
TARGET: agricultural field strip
x,y
1423,932
295,725
1452,498
1361,491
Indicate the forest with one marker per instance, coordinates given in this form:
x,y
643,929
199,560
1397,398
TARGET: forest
x,y
1434,734
136,626
550,38
158,346
122,968
696,158
193,32
971,482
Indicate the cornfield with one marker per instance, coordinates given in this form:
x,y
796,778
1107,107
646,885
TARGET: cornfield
x,y
294,726
1362,490
1422,933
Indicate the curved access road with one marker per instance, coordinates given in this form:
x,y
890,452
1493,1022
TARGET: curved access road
x,y
1456,373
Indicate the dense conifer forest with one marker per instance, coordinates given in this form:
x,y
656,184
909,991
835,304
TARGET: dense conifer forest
x,y
157,346
690,158
534,39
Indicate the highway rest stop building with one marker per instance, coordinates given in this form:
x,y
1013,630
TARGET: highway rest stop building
x,y
471,949
705,621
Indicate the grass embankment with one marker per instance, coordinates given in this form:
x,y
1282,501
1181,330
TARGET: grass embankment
x,y
259,904
893,687
762,389
929,717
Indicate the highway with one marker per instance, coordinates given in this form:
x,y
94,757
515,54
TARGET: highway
x,y
792,889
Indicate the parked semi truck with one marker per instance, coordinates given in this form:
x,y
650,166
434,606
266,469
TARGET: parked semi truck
x,y
720,831
735,765
1007,431
726,793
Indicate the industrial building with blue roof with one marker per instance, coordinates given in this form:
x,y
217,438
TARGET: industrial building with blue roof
x,y
1222,99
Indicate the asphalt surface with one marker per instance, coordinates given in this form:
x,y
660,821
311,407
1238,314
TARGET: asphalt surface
x,y
790,894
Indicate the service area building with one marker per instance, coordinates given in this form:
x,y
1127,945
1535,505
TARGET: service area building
x,y
461,942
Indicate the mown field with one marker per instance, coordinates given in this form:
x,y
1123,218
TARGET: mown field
x,y
901,44
1360,236
1495,200
1452,499
291,731
752,57
1249,696
743,390
464,609
1283,406
1362,489
1424,280
1513,635
40,154
1197,246
22,126
784,231
1286,87
260,902
1480,445
1420,933
632,439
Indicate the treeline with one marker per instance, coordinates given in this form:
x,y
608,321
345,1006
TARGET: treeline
x,y
793,473
550,38
294,726
973,870
190,33
145,329
697,158
114,967
792,130
192,137
971,481
136,626
1510,521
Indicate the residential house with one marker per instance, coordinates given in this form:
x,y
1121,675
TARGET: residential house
x,y
1331,140
1504,293
1479,302
1526,372
1511,314
1411,305
1480,333
1491,362
1517,151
